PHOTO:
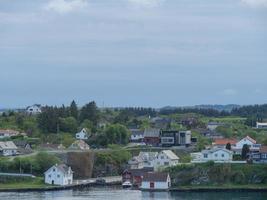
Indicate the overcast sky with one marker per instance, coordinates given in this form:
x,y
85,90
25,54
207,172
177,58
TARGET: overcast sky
x,y
133,52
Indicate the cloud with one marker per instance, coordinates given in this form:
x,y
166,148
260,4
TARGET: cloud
x,y
255,3
228,92
146,3
65,6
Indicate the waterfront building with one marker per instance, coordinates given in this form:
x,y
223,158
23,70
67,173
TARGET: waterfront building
x,y
156,181
59,175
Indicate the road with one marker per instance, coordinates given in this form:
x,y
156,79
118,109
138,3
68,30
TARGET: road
x,y
93,180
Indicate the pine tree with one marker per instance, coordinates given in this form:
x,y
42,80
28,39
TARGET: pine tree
x,y
74,110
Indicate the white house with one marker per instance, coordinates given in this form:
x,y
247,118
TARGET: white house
x,y
143,160
34,109
6,133
148,158
253,146
216,155
156,181
137,135
8,148
166,158
136,162
246,140
59,175
79,145
82,135
261,125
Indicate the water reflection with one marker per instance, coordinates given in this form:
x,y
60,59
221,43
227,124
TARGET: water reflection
x,y
117,193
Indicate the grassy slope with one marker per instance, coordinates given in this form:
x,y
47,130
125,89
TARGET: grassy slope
x,y
34,183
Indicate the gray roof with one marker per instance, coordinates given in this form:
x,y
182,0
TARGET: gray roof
x,y
62,167
7,145
152,132
215,123
136,132
216,149
171,155
147,156
155,177
140,172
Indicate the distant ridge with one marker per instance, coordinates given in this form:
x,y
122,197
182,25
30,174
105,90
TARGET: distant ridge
x,y
228,107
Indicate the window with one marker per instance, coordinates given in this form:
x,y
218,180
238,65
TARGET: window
x,y
223,155
54,170
58,176
205,155
49,175
216,155
162,157
166,163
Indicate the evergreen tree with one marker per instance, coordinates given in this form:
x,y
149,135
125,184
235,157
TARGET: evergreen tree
x,y
228,146
74,110
245,151
90,112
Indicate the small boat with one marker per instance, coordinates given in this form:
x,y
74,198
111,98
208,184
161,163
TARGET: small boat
x,y
127,184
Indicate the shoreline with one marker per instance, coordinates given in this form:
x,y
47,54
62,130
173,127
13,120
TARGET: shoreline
x,y
247,188
59,188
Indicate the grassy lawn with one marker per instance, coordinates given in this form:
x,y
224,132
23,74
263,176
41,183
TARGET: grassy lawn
x,y
34,183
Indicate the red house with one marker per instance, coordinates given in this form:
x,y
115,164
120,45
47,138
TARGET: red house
x,y
152,136
135,176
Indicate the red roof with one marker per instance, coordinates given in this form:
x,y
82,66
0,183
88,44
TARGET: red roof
x,y
263,149
252,140
224,141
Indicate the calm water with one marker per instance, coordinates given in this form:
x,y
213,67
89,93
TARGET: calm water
x,y
117,193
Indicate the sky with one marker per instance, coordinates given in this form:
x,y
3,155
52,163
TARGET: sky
x,y
149,53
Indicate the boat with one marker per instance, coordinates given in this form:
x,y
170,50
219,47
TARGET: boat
x,y
127,184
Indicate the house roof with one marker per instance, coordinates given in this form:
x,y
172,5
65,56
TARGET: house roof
x,y
155,177
263,149
152,132
216,149
79,144
262,123
135,159
215,123
62,167
140,172
21,143
170,154
136,132
224,141
9,132
7,145
147,156
250,139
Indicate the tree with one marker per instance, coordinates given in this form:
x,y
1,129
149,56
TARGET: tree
x,y
245,151
116,134
68,124
228,146
74,110
90,112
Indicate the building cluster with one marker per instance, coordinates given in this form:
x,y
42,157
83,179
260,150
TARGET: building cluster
x,y
223,150
158,137
144,170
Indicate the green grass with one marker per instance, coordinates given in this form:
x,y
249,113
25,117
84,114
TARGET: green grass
x,y
34,183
